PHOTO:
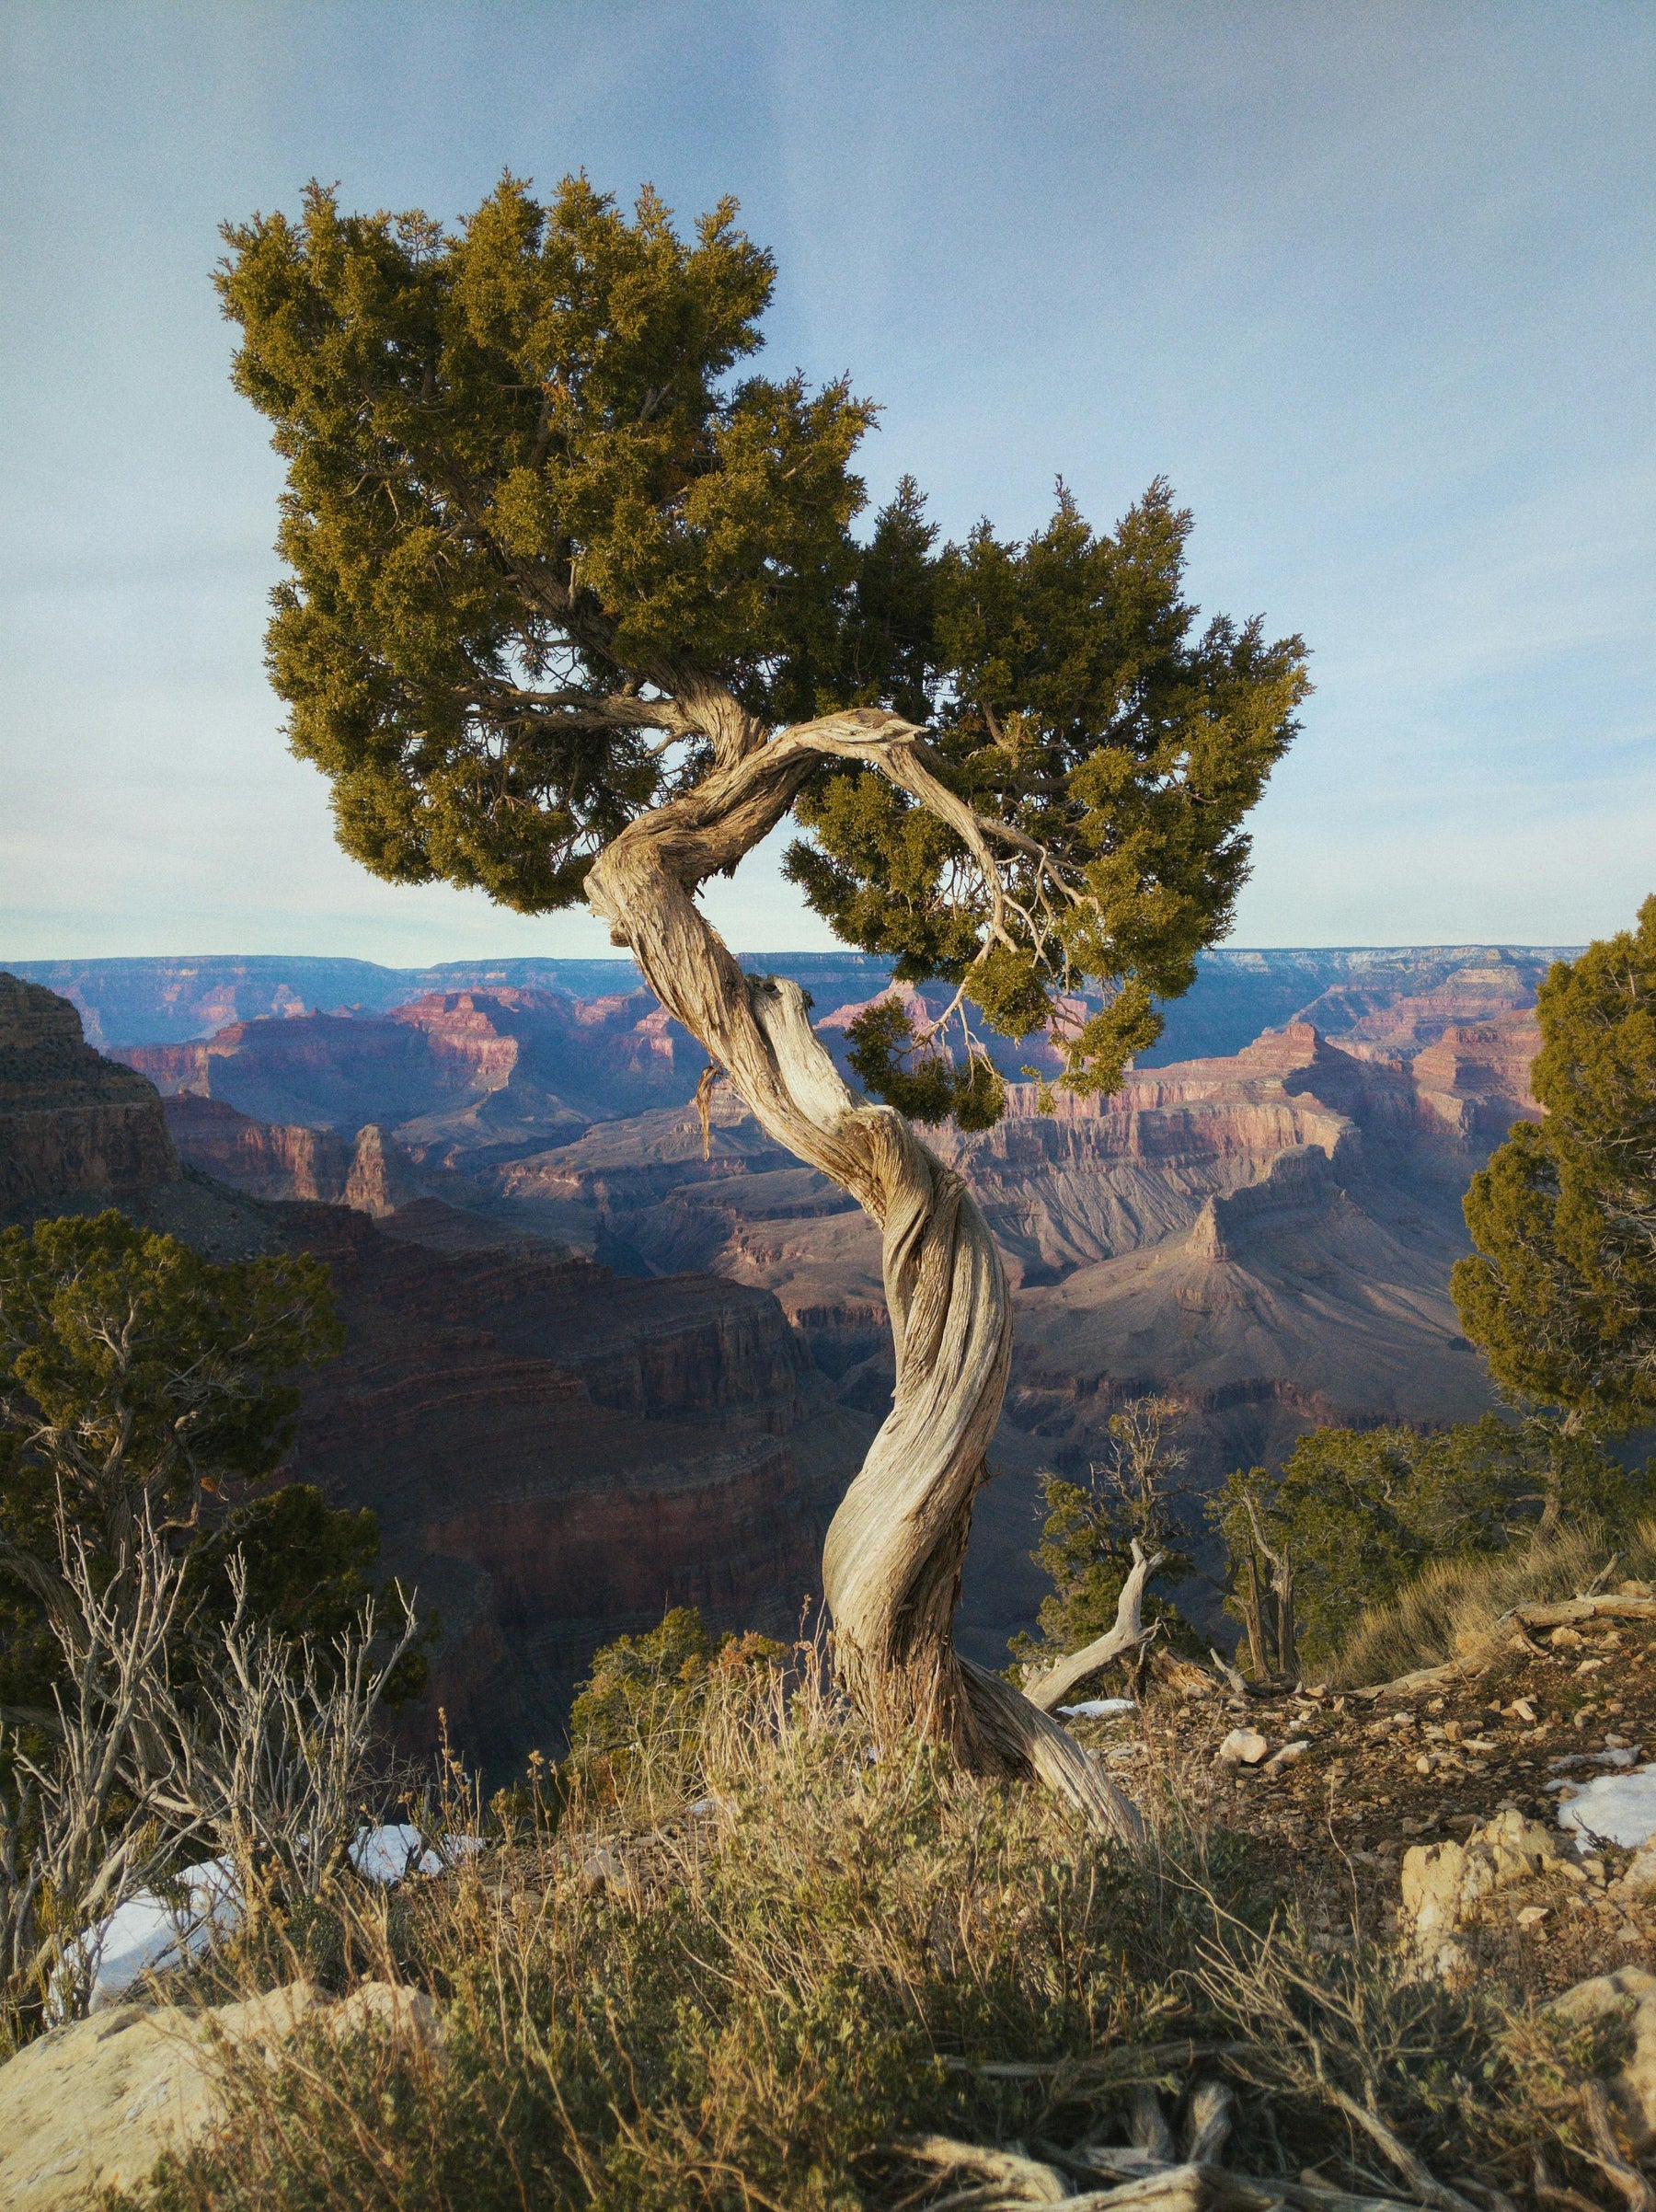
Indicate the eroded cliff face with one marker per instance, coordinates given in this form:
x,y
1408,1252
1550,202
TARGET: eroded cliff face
x,y
268,1159
457,1076
556,1454
369,1172
1267,1236
69,1120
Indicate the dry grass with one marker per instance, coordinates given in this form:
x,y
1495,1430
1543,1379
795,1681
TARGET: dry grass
x,y
760,1998
1454,1610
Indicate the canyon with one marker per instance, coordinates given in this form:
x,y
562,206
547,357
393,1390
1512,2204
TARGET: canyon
x,y
70,1118
1261,1228
555,1453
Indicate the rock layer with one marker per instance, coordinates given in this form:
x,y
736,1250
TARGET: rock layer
x,y
69,1120
556,1454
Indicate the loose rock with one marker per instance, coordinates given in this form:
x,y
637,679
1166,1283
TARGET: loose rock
x,y
1243,1747
1444,1882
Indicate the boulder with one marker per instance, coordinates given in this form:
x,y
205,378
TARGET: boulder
x,y
93,2105
1630,1994
1444,1882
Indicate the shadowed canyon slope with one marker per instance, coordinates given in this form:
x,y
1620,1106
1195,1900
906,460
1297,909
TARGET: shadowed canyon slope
x,y
555,1453
70,1119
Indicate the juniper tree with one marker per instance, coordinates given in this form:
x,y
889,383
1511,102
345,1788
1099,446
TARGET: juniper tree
x,y
142,1389
577,605
1560,1295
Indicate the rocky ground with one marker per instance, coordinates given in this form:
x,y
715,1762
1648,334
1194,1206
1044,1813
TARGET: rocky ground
x,y
1353,1782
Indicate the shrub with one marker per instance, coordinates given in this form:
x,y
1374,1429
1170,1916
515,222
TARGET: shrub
x,y
1086,1540
638,1721
137,1378
1453,1609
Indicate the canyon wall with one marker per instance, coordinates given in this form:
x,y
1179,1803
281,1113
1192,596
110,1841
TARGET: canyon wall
x,y
556,1454
1264,1232
70,1121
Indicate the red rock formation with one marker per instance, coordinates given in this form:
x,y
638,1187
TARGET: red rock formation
x,y
379,1179
70,1121
1476,1078
314,1070
1486,988
555,1454
370,1174
498,1071
269,1159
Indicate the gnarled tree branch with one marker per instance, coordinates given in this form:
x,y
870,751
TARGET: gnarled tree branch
x,y
1127,1633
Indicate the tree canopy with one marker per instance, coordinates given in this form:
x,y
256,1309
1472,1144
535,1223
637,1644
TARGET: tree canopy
x,y
557,554
1560,1294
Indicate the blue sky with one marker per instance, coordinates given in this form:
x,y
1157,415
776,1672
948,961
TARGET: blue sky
x,y
1373,284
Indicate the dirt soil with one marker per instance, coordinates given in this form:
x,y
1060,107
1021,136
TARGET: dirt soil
x,y
1427,1766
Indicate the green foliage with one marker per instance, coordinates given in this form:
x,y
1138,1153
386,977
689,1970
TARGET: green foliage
x,y
931,1087
520,475
127,1359
1460,1608
1072,698
1562,1294
309,1573
1085,1549
533,493
1358,1513
134,1376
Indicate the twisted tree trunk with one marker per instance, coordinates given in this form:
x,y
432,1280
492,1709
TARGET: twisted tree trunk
x,y
892,1564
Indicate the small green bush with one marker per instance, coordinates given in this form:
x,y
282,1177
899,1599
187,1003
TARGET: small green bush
x,y
1085,1549
1361,1514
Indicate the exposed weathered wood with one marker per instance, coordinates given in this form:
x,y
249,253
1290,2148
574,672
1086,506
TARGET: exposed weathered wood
x,y
1126,1634
1568,1610
1241,2189
895,1551
1424,1677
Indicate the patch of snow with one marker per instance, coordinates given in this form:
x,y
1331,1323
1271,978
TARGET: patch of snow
x,y
148,1933
387,1854
1094,1709
151,1933
1612,1808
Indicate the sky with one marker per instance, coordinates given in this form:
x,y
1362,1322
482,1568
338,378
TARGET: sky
x,y
1372,284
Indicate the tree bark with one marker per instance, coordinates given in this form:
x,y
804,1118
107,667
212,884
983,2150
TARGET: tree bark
x,y
892,1561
